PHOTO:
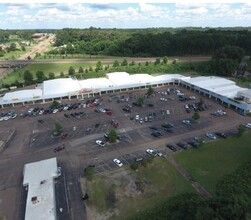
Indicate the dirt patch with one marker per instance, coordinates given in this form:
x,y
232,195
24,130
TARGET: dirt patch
x,y
124,184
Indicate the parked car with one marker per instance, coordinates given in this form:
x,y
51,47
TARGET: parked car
x,y
182,144
171,147
186,122
248,125
139,159
152,152
59,171
100,143
88,130
167,125
221,134
64,136
118,162
59,148
199,139
193,143
211,135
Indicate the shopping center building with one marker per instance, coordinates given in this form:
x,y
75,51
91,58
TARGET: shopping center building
x,y
222,90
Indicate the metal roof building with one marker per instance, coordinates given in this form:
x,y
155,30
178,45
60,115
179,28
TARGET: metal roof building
x,y
223,90
39,180
71,87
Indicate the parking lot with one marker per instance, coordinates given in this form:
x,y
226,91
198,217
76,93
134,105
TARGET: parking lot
x,y
83,125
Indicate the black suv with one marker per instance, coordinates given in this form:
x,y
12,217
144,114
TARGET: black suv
x,y
183,145
171,147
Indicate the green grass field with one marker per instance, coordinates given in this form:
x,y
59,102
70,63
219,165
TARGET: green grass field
x,y
135,191
56,68
214,160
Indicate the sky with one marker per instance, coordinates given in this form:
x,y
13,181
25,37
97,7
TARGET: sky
x,y
129,14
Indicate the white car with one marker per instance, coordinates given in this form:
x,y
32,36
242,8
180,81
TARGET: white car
x,y
100,143
13,116
102,110
30,110
248,125
55,111
137,117
66,108
41,112
59,171
152,152
118,162
211,135
187,122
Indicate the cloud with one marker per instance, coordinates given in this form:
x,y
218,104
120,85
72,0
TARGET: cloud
x,y
15,10
101,6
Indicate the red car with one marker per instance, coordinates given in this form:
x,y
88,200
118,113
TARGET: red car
x,y
59,148
116,125
64,136
109,113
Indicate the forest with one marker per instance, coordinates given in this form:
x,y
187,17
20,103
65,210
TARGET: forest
x,y
150,42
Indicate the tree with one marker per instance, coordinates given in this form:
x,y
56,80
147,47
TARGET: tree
x,y
132,63
157,61
58,129
124,63
23,48
40,76
241,129
112,136
55,104
141,101
196,116
51,75
150,91
99,65
116,63
89,171
12,47
62,74
165,60
201,103
71,71
90,68
28,77
81,70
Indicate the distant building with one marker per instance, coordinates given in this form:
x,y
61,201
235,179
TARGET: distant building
x,y
38,35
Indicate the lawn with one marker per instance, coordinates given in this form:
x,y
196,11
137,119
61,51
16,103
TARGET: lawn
x,y
56,68
125,192
212,161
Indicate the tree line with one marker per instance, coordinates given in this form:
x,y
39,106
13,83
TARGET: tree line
x,y
150,42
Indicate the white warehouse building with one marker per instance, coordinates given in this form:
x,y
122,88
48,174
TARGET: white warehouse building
x,y
222,90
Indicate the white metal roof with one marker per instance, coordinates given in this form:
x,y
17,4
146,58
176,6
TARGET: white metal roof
x,y
39,177
245,93
60,86
23,94
218,85
96,83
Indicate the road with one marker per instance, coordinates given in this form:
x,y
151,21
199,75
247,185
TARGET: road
x,y
40,47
